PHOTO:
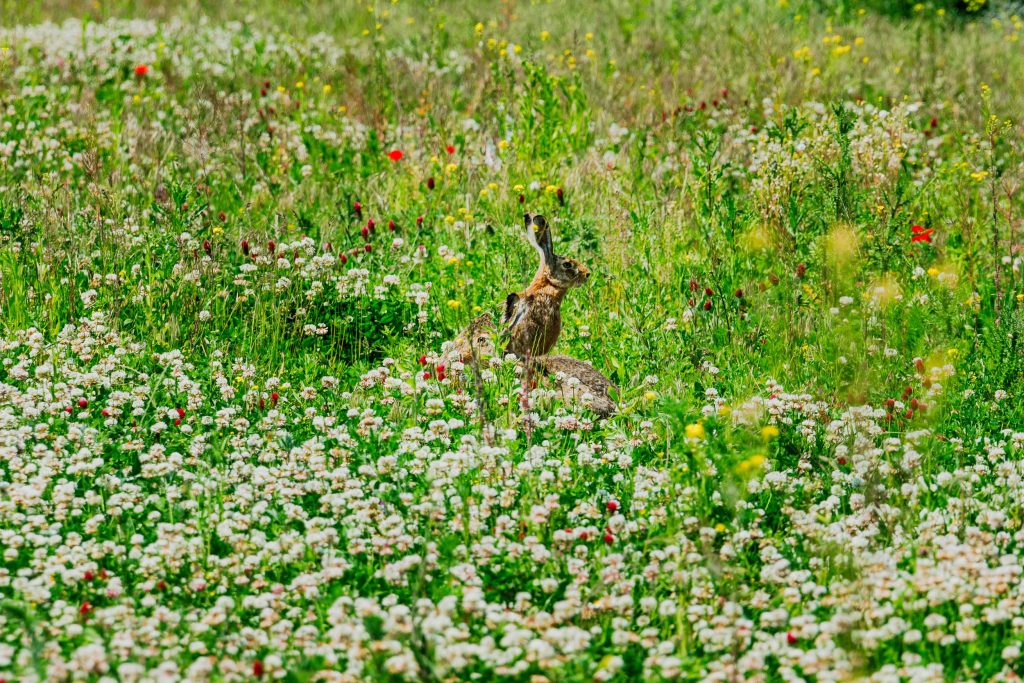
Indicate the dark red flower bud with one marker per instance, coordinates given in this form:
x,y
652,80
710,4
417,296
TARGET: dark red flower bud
x,y
430,183
522,199
274,396
257,668
371,225
368,248
245,247
612,505
560,194
739,293
707,305
206,246
271,246
801,268
391,226
364,231
343,259
357,209
608,538
419,221
82,403
222,216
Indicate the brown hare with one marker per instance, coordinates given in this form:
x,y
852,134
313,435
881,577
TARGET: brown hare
x,y
565,369
532,319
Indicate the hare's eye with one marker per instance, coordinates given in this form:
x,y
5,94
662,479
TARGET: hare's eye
x,y
567,265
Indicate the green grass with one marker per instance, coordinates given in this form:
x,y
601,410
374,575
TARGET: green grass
x,y
225,446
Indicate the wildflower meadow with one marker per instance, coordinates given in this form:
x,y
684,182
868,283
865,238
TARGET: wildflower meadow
x,y
238,239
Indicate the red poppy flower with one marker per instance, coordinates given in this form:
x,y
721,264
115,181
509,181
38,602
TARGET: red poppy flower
x,y
141,70
450,149
920,233
395,155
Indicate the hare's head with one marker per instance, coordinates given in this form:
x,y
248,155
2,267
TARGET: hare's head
x,y
561,271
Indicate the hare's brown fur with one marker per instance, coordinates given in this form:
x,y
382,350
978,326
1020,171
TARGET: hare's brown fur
x,y
533,317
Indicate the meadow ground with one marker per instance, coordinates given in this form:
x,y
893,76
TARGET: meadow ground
x,y
234,238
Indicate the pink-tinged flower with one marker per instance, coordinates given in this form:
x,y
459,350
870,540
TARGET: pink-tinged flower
x,y
918,233
395,155
141,69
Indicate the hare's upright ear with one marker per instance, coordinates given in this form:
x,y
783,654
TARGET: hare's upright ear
x,y
539,233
